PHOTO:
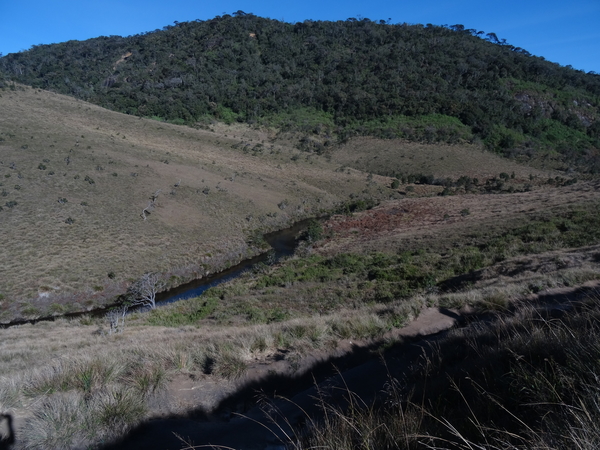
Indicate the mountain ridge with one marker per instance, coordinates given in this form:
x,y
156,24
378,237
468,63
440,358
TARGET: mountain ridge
x,y
346,78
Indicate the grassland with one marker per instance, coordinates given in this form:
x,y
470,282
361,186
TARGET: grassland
x,y
481,237
394,156
75,179
177,361
325,302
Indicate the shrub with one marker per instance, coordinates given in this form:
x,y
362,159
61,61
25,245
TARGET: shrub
x,y
188,312
313,232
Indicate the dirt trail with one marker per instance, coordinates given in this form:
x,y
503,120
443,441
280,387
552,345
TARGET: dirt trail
x,y
249,423
242,423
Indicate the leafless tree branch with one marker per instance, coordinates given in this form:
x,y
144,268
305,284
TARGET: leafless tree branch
x,y
116,319
143,292
151,204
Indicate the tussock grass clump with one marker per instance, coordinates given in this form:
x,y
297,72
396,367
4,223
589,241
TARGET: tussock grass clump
x,y
9,393
228,364
359,327
69,420
361,426
85,375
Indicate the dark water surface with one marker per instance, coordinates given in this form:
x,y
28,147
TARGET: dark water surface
x,y
282,242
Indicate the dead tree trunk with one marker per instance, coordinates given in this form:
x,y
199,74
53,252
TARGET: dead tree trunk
x,y
116,319
143,292
151,204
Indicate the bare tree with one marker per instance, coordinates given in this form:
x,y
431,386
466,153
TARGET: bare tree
x,y
143,291
116,319
147,209
151,204
154,196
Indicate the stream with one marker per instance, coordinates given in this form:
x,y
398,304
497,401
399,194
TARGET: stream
x,y
282,242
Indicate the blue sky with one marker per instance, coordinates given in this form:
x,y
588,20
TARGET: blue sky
x,y
566,32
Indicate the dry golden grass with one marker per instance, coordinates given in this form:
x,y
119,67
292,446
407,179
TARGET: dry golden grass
x,y
101,385
52,146
440,160
217,187
81,175
105,384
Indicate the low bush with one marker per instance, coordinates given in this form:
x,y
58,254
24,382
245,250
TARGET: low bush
x,y
189,312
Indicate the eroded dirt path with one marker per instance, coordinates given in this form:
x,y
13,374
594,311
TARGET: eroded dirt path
x,y
236,414
263,409
240,419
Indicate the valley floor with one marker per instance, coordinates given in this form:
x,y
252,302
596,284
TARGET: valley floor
x,y
206,369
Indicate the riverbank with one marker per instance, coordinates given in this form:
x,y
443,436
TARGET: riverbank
x,y
275,245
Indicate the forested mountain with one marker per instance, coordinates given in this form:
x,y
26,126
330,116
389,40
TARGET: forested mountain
x,y
334,79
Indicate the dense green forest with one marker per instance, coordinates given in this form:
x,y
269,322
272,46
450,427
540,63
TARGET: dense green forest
x,y
333,79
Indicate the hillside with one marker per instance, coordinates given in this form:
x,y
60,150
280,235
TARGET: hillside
x,y
459,229
447,297
334,80
75,179
273,357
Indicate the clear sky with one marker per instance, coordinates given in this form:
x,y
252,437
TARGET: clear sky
x,y
562,31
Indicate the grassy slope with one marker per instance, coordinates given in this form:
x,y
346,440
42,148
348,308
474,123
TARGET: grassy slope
x,y
395,156
285,313
126,159
232,180
241,328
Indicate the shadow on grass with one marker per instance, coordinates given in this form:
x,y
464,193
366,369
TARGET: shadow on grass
x,y
240,421
451,372
223,427
7,432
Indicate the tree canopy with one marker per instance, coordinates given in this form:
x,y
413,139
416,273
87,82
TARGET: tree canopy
x,y
426,82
